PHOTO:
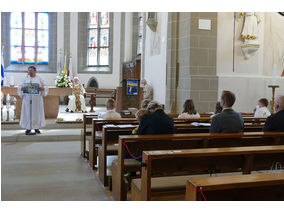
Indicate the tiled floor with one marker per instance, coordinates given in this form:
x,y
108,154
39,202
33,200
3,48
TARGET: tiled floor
x,y
42,171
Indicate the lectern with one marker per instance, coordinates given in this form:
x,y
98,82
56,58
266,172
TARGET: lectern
x,y
129,94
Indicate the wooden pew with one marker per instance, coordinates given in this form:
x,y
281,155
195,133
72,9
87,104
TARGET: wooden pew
x,y
87,120
139,143
110,136
97,126
208,120
95,93
198,161
252,187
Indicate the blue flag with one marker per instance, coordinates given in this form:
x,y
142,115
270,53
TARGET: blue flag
x,y
2,69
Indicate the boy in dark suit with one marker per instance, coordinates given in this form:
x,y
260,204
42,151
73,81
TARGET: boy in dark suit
x,y
275,122
228,121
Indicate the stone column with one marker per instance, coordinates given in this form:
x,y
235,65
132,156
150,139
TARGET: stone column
x,y
128,36
74,41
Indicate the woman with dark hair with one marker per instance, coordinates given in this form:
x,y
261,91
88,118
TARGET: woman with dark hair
x,y
189,110
218,109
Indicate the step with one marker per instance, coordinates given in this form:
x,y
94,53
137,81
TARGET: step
x,y
46,135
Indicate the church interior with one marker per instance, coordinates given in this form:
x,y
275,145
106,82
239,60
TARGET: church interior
x,y
93,63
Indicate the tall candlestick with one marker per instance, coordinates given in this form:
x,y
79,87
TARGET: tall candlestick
x,y
273,96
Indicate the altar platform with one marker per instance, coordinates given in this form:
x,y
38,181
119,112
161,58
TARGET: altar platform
x,y
67,130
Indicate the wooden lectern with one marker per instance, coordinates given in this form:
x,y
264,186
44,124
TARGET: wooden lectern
x,y
131,70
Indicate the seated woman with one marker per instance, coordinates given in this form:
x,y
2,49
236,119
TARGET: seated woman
x,y
77,100
189,110
218,109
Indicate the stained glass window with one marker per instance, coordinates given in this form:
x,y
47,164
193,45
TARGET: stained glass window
x,y
29,20
42,55
93,20
29,38
42,38
104,37
42,21
104,20
16,55
98,44
16,37
93,38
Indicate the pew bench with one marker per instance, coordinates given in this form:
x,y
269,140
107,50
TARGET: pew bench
x,y
139,143
97,125
252,187
86,132
111,133
202,161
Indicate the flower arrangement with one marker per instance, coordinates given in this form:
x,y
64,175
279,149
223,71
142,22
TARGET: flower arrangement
x,y
63,81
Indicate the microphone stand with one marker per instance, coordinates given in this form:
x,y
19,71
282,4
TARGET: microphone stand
x,y
31,103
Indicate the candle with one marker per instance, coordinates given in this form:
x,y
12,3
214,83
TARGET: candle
x,y
12,81
274,74
8,100
2,98
5,81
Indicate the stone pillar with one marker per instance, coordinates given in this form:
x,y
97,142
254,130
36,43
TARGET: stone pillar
x,y
128,36
74,41
191,62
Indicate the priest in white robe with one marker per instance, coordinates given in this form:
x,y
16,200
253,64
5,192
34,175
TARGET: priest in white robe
x,y
32,114
77,100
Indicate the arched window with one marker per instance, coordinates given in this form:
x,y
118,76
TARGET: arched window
x,y
98,39
29,40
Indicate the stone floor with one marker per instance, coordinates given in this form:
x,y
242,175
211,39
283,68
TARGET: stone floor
x,y
45,171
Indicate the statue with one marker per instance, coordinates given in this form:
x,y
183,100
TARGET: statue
x,y
250,33
77,100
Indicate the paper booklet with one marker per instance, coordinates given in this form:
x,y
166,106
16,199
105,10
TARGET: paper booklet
x,y
200,124
31,88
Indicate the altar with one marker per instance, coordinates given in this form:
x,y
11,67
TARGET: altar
x,y
51,101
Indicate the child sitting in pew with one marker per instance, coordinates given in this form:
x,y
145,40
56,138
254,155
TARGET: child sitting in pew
x,y
261,108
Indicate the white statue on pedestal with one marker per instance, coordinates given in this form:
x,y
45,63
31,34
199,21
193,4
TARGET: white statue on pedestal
x,y
250,33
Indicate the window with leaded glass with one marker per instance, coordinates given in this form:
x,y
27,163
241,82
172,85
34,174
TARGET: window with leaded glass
x,y
140,33
98,39
29,38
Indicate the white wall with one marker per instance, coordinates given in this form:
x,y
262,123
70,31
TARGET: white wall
x,y
248,81
155,61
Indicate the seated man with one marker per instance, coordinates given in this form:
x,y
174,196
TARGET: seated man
x,y
148,91
275,122
111,114
156,122
228,121
261,109
77,100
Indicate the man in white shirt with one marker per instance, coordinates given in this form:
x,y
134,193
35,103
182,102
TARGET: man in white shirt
x,y
261,109
111,114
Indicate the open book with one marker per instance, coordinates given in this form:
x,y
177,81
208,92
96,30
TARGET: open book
x,y
31,88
